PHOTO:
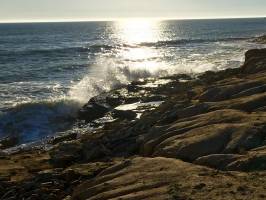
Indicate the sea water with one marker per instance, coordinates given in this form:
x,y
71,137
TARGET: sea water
x,y
49,70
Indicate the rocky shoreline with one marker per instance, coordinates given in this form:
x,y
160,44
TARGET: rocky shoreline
x,y
177,137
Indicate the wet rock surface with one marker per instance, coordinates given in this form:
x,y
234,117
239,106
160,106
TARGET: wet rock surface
x,y
9,142
176,137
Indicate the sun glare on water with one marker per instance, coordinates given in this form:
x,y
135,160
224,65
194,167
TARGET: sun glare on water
x,y
136,31
137,34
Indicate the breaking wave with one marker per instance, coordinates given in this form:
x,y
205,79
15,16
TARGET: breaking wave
x,y
34,120
111,76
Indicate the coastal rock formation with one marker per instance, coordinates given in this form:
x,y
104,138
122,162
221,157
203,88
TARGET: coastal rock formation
x,y
184,138
163,178
255,61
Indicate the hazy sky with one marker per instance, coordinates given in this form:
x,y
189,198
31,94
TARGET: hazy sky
x,y
43,10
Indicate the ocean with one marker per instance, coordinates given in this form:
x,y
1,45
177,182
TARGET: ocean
x,y
49,70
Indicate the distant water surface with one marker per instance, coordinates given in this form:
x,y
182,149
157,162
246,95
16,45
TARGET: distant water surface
x,y
49,70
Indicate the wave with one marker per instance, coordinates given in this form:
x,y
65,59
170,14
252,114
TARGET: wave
x,y
36,120
33,121
112,75
58,51
169,43
94,48
47,51
100,47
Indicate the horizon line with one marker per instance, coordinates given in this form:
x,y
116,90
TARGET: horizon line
x,y
126,18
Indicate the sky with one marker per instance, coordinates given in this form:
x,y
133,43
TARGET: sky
x,y
69,10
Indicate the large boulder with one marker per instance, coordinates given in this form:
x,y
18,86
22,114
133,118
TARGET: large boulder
x,y
255,61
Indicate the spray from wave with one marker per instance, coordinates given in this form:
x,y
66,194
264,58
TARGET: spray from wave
x,y
112,75
36,120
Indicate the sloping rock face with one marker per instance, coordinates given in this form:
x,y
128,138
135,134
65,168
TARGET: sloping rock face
x,y
206,141
218,132
162,178
220,126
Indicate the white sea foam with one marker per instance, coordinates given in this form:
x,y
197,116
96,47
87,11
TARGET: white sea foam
x,y
109,73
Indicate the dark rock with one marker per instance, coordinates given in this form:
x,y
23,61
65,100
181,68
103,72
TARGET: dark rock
x,y
255,61
114,100
251,91
253,162
255,53
64,137
153,98
218,161
199,186
226,92
124,114
9,142
132,99
133,88
210,76
242,189
249,103
93,111
94,150
66,153
4,178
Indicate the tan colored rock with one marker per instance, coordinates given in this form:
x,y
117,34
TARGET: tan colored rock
x,y
222,131
212,139
22,166
160,133
163,178
196,143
